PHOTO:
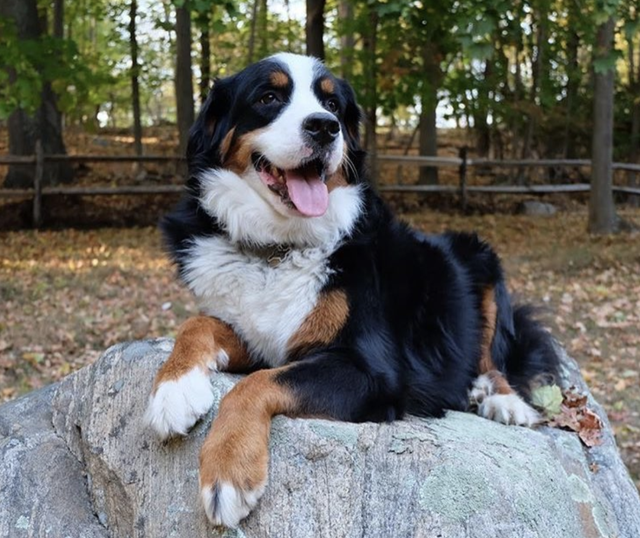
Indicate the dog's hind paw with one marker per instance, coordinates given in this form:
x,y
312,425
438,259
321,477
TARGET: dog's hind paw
x,y
508,409
226,504
481,389
176,405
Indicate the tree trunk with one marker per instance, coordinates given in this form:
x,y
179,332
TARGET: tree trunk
x,y
483,132
602,213
428,142
428,130
135,87
205,56
45,124
634,200
58,32
369,45
184,77
518,93
634,143
347,40
263,28
251,48
315,28
58,19
539,75
573,82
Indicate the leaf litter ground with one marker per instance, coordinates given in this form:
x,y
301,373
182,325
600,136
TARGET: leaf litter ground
x,y
66,296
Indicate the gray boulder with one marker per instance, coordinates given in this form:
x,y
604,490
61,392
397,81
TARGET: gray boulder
x,y
77,461
535,208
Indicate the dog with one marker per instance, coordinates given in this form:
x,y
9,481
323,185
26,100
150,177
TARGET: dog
x,y
309,284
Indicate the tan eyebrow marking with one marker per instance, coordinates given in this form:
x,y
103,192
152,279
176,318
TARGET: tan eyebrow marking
x,y
279,79
327,85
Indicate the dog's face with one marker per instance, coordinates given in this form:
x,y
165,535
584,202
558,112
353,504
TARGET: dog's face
x,y
280,138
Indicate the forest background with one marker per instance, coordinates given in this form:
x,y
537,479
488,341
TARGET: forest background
x,y
518,79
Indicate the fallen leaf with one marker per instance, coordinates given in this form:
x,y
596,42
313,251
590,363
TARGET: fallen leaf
x,y
590,431
547,398
574,415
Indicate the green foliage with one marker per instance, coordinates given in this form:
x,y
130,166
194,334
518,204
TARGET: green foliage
x,y
506,63
28,64
606,63
21,82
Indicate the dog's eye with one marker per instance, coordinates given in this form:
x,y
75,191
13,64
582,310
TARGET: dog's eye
x,y
268,98
331,105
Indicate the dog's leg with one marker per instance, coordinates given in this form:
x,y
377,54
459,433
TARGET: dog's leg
x,y
234,457
181,391
491,393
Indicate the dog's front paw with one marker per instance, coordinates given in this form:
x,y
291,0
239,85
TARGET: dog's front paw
x,y
176,405
226,504
233,471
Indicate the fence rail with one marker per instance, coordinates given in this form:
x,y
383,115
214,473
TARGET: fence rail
x,y
463,163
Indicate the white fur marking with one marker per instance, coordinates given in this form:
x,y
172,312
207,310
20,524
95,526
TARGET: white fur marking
x,y
243,205
508,409
177,405
232,504
222,360
265,305
481,389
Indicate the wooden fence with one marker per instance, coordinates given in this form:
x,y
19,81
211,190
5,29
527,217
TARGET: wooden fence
x,y
462,163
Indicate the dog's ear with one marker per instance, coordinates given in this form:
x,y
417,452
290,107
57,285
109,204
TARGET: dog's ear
x,y
205,134
352,116
351,121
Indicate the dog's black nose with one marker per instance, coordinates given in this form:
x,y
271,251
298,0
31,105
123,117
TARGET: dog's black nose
x,y
321,128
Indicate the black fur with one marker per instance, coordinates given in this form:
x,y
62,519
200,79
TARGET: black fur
x,y
412,340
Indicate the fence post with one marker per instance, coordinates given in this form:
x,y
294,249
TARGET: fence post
x,y
462,153
37,186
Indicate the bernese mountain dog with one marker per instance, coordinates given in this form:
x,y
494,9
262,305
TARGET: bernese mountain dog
x,y
309,284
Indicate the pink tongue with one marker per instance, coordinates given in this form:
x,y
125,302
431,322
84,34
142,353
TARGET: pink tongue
x,y
309,194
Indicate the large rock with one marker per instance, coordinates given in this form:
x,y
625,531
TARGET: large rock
x,y
77,461
536,208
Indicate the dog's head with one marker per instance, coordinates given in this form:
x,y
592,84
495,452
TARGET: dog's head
x,y
275,153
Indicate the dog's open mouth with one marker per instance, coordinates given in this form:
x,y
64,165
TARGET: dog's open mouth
x,y
301,188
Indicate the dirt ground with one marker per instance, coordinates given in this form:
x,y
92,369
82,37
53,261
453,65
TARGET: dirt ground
x,y
67,295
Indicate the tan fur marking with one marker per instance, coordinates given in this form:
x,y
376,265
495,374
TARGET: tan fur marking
x,y
198,342
236,449
500,384
327,86
226,143
323,324
489,311
279,79
238,157
338,179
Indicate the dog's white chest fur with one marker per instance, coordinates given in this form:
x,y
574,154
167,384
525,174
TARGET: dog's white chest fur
x,y
265,305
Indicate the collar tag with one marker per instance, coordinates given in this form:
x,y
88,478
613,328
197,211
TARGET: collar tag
x,y
278,255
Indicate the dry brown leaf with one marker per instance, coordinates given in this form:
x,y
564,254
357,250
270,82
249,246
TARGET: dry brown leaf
x,y
576,416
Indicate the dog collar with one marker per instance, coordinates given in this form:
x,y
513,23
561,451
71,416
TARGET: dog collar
x,y
274,255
